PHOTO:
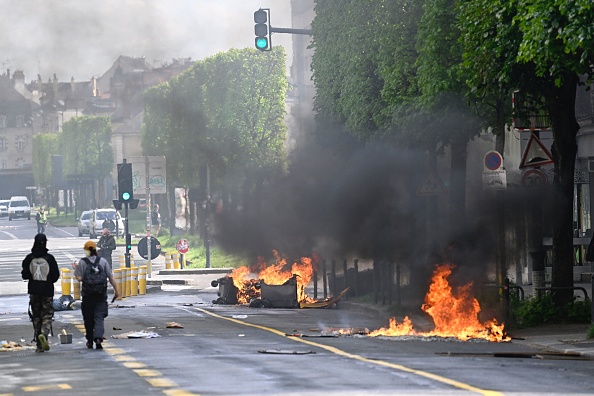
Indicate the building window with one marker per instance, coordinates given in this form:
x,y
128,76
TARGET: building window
x,y
3,144
3,164
3,121
20,163
20,121
20,142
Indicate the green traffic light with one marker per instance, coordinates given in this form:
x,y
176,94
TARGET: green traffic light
x,y
126,196
261,43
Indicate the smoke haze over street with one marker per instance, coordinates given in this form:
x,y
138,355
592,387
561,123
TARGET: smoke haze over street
x,y
81,39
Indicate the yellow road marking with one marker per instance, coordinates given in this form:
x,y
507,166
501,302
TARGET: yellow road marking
x,y
147,372
435,377
161,382
134,365
176,392
123,358
38,388
114,351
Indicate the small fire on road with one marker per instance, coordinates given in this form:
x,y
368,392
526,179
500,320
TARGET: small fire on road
x,y
454,313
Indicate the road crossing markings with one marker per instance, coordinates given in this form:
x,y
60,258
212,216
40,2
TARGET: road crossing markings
x,y
340,352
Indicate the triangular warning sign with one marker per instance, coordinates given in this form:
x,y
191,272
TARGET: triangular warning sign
x,y
536,154
431,185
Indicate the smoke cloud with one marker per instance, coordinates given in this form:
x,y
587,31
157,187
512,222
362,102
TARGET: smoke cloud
x,y
81,39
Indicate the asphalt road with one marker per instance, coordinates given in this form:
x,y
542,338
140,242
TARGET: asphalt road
x,y
236,350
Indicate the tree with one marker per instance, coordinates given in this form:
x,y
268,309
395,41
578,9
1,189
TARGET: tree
x,y
541,48
225,113
85,144
44,146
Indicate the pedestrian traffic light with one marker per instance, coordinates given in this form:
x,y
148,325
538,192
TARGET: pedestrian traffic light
x,y
262,29
125,183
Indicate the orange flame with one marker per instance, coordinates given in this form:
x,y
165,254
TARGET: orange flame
x,y
455,313
246,278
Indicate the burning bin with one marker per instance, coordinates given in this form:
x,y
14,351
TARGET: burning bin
x,y
281,296
227,291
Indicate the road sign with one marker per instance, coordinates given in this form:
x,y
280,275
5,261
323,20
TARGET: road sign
x,y
431,185
494,180
536,154
183,246
493,160
155,248
534,179
157,174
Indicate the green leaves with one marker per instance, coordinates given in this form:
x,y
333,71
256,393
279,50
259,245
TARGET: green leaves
x,y
226,111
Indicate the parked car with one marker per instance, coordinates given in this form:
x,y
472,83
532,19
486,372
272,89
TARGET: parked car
x,y
83,222
98,216
4,207
19,207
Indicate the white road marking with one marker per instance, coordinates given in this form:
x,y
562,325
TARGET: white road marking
x,y
9,234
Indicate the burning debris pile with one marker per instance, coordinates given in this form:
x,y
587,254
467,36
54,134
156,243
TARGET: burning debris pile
x,y
279,285
454,312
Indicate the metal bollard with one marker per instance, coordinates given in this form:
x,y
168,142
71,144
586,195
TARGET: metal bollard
x,y
133,281
142,280
175,259
66,279
122,261
128,281
124,281
76,288
168,262
117,274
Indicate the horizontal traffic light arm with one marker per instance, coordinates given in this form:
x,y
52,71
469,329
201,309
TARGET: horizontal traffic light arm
x,y
290,30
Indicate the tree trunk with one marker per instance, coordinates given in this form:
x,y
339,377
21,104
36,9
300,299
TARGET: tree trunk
x,y
565,127
459,154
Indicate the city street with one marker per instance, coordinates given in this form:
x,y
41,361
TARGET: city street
x,y
224,350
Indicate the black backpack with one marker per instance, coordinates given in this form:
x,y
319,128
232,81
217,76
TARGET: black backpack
x,y
94,278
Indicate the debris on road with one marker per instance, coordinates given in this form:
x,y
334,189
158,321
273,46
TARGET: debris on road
x,y
136,334
173,325
285,352
11,346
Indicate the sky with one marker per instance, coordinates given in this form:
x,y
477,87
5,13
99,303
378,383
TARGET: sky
x,y
83,38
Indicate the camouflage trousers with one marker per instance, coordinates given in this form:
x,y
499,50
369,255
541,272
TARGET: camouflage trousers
x,y
42,312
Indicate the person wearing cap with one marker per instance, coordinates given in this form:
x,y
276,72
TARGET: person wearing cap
x,y
41,270
94,304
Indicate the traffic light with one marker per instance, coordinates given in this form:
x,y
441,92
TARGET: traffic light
x,y
262,29
128,242
125,183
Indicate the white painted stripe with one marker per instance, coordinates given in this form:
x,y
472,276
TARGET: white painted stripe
x,y
9,234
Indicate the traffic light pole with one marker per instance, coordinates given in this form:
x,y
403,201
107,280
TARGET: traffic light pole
x,y
127,254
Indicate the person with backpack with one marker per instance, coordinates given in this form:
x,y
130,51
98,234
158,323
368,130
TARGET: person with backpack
x,y
94,272
41,270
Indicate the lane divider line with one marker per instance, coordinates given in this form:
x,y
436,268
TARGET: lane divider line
x,y
340,352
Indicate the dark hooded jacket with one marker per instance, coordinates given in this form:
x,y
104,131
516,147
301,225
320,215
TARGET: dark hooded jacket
x,y
40,269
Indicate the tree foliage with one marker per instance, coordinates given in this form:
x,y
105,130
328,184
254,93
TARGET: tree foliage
x,y
44,146
541,48
226,112
85,143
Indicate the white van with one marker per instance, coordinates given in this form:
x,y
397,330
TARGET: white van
x,y
19,207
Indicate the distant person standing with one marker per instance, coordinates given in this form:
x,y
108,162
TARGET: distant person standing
x,y
106,245
94,272
41,219
156,220
41,270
